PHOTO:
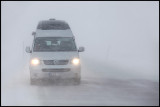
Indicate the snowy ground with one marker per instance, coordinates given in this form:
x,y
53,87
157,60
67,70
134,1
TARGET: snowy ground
x,y
97,88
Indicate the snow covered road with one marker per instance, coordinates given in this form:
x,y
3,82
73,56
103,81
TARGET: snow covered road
x,y
96,88
120,65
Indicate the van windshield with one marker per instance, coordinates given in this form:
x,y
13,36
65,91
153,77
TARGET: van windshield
x,y
47,44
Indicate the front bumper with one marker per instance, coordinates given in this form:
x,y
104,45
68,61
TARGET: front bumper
x,y
55,71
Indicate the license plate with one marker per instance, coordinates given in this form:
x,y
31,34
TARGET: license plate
x,y
53,74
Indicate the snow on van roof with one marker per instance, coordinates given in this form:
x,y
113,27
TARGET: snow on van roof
x,y
54,33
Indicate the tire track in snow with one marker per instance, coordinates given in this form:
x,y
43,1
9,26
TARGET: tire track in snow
x,y
100,90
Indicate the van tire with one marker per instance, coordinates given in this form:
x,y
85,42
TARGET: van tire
x,y
33,81
77,81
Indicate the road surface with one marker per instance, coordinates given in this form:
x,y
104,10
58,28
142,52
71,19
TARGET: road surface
x,y
99,86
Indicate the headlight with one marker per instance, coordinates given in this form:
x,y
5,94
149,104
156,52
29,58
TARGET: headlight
x,y
35,61
75,61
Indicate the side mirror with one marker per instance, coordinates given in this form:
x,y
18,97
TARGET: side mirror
x,y
33,33
28,50
81,49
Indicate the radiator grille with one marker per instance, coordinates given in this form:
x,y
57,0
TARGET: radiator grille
x,y
55,62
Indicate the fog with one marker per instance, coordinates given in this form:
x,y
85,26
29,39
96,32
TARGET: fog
x,y
120,61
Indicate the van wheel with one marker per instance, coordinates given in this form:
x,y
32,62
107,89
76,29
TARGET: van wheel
x,y
77,81
33,81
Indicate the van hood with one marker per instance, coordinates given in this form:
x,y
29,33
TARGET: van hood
x,y
54,55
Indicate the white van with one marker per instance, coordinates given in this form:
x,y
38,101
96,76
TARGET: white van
x,y
54,53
